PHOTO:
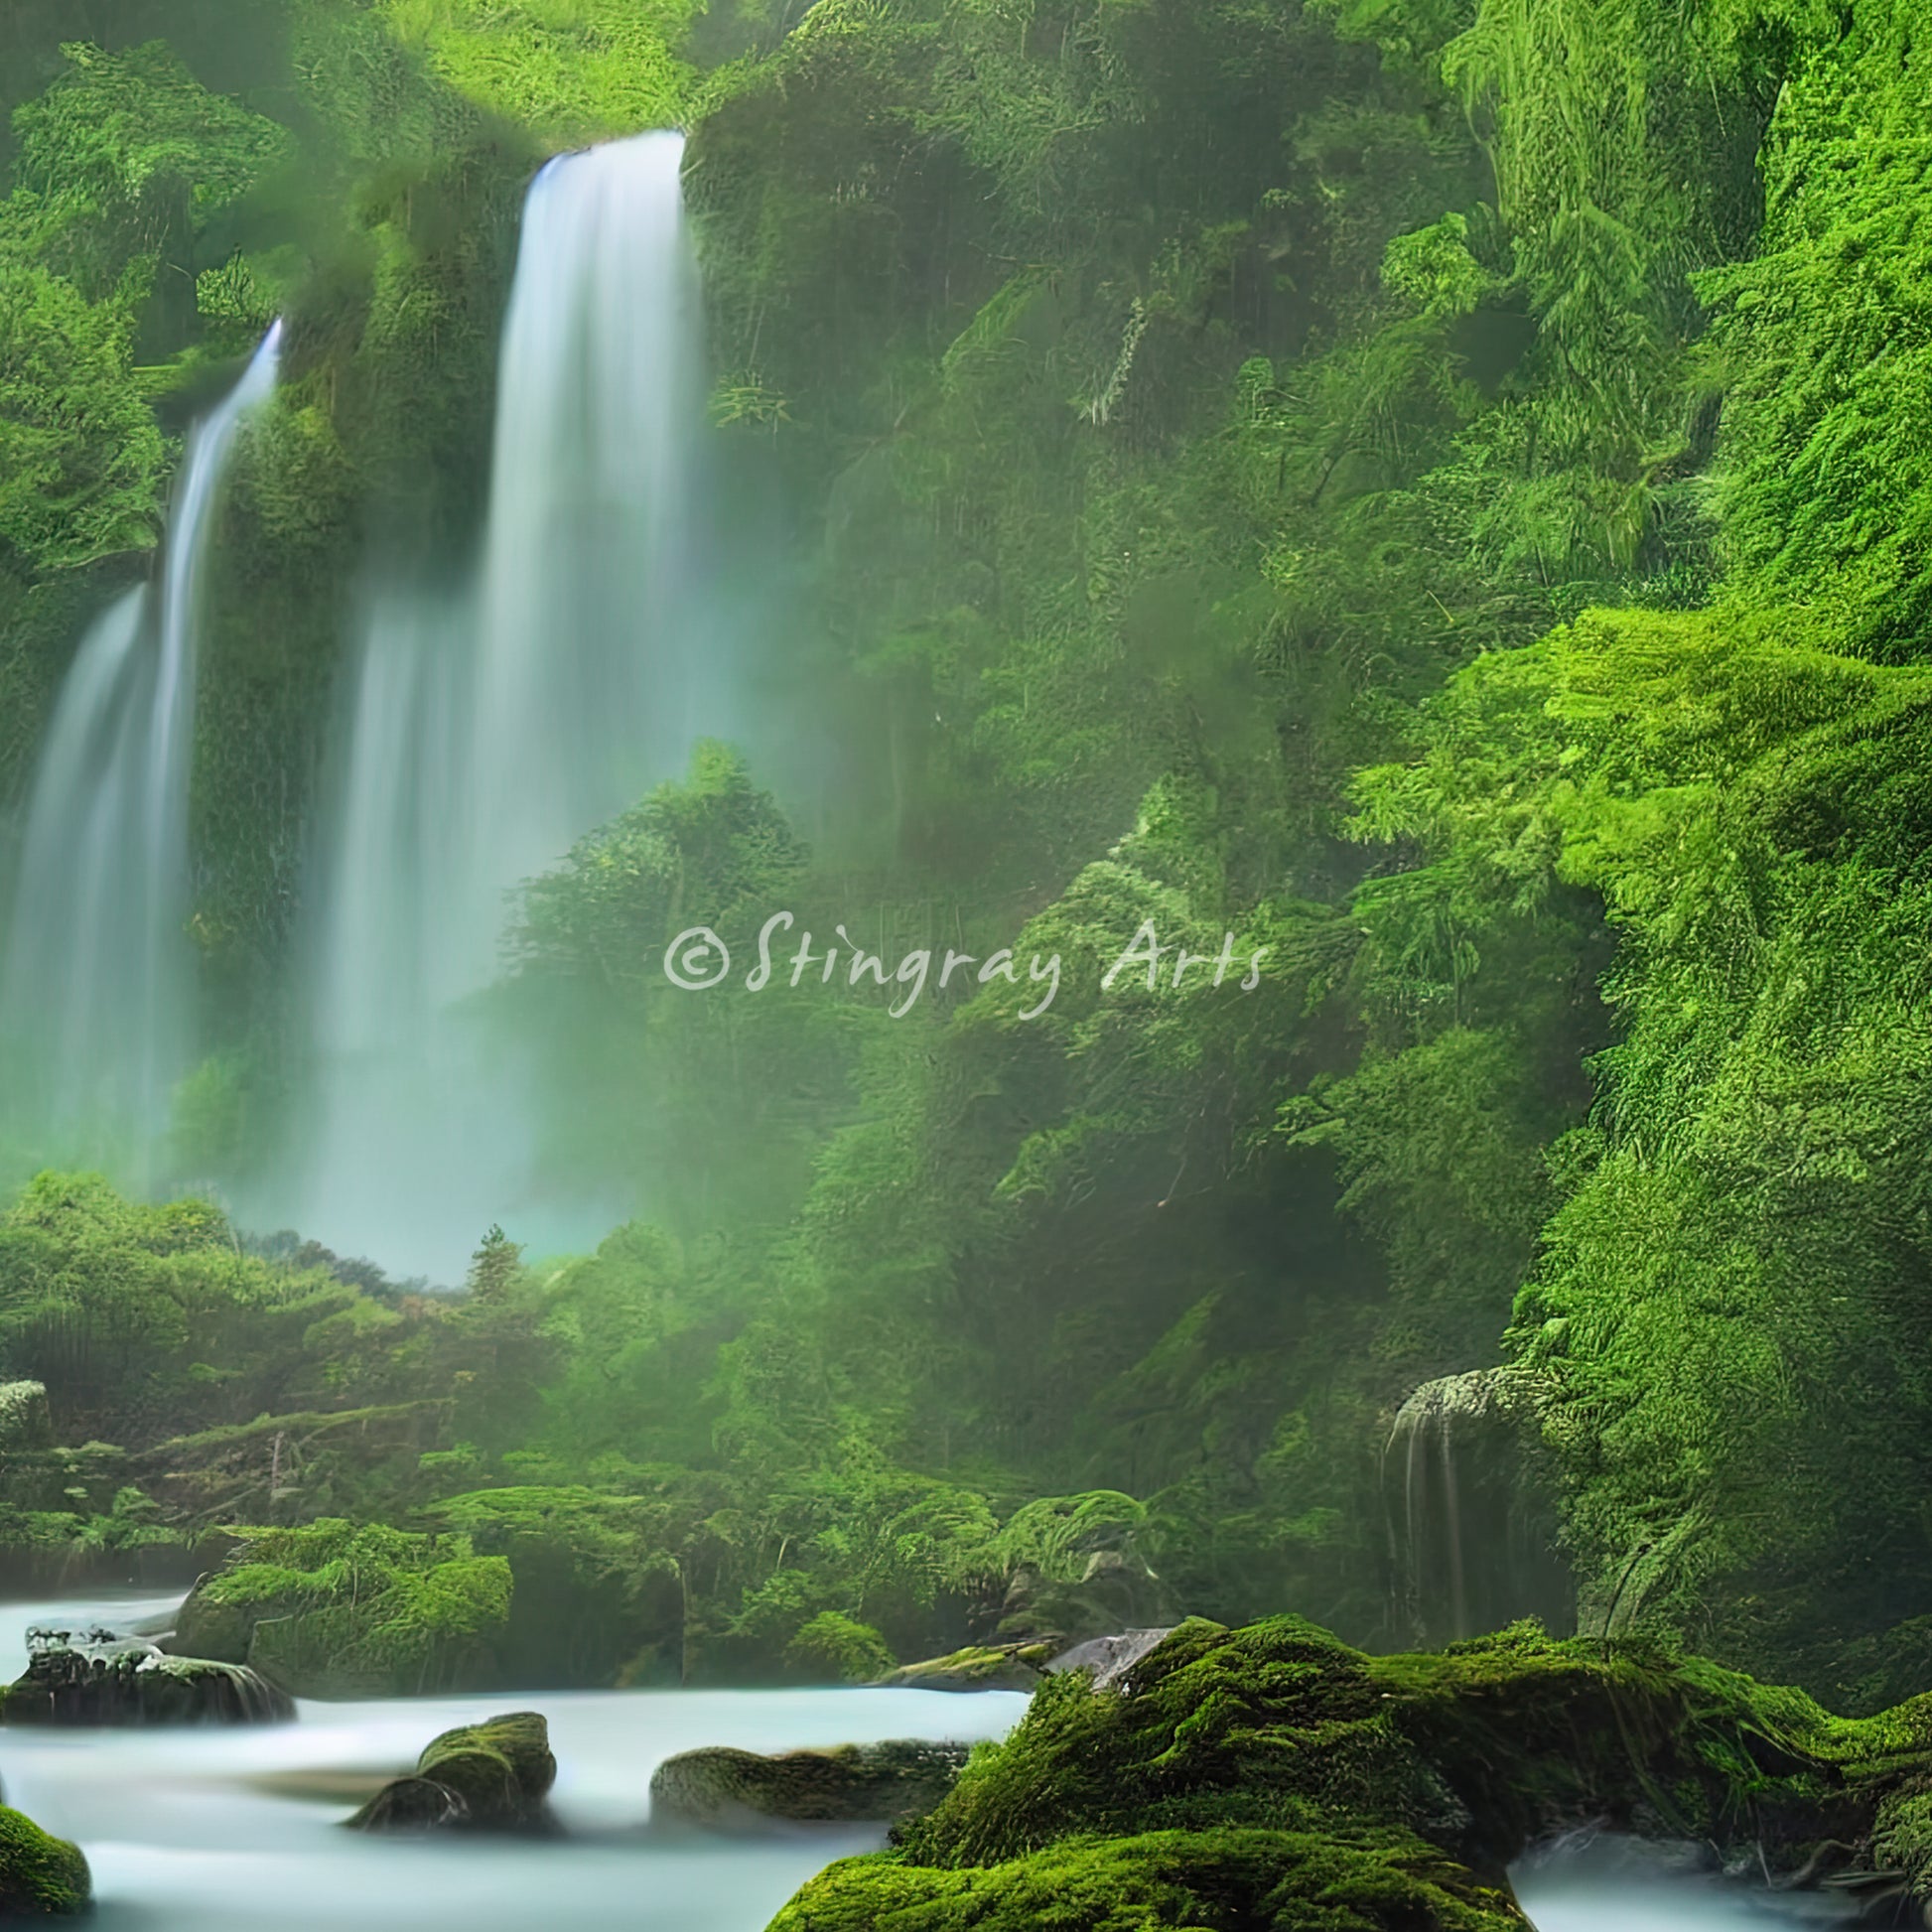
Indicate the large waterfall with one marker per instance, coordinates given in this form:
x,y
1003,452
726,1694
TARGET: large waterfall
x,y
95,998
486,728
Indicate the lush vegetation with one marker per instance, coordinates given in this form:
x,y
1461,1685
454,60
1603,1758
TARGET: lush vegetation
x,y
1427,496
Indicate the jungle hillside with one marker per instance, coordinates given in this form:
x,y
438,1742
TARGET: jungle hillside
x,y
1389,539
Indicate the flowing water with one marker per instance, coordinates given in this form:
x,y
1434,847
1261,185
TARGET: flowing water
x,y
489,725
94,997
183,1838
1611,1886
184,1834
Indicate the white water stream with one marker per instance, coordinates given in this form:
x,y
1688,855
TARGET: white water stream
x,y
95,994
181,1838
490,724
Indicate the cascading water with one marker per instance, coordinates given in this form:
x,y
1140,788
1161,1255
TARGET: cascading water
x,y
95,1005
486,730
1470,1534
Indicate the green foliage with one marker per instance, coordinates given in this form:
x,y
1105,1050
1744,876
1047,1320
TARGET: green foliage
x,y
658,1087
1623,134
1725,1293
331,1608
835,1647
1821,340
127,156
1251,474
597,1590
81,457
572,70
112,1304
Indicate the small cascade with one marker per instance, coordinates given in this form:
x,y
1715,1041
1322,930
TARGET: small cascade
x,y
1470,1529
486,729
94,993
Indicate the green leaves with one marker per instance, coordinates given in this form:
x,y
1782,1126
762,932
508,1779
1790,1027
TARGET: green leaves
x,y
572,70
1433,268
1823,340
81,456
127,155
121,167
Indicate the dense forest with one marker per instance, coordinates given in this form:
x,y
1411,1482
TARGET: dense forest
x,y
1425,499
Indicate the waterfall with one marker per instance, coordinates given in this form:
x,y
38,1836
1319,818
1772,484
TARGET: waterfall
x,y
486,728
1470,1520
95,1006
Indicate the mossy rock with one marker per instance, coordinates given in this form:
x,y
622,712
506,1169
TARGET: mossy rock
x,y
41,1876
1273,1777
1272,1882
489,1777
118,1681
855,1784
1116,1591
337,1609
207,1627
981,1667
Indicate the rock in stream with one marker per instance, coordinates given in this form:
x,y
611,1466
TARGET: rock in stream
x,y
859,1784
494,1776
102,1677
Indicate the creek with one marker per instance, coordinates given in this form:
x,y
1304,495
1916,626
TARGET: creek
x,y
235,1831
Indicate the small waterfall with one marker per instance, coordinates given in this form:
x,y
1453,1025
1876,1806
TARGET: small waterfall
x,y
96,1005
1470,1530
487,727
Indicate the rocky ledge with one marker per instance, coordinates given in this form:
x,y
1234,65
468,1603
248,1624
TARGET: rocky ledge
x,y
100,1677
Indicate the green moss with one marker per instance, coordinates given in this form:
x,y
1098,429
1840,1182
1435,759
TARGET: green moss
x,y
979,1667
1271,1775
41,1876
1181,1880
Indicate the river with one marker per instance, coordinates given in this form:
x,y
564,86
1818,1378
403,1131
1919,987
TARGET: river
x,y
184,1835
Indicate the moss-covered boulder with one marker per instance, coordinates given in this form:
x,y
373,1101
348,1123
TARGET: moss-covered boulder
x,y
1273,1777
724,1789
98,1678
41,1876
487,1777
980,1667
